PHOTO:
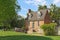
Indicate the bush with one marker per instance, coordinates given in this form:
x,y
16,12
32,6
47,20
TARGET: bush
x,y
49,29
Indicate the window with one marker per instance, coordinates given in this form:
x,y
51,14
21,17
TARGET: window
x,y
39,14
30,15
38,23
33,25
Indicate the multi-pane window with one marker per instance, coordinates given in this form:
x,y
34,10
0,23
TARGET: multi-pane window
x,y
38,23
33,25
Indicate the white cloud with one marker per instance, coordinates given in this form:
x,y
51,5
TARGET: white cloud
x,y
29,2
24,8
36,2
56,1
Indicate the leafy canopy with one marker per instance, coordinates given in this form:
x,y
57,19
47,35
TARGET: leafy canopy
x,y
7,11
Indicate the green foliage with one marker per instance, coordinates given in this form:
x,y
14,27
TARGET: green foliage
x,y
18,22
54,12
49,29
21,23
42,7
7,12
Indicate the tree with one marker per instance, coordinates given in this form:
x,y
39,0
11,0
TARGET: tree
x,y
7,11
20,22
42,7
55,12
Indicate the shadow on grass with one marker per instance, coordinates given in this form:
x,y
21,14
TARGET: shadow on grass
x,y
24,37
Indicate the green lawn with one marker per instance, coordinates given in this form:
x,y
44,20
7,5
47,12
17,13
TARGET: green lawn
x,y
11,35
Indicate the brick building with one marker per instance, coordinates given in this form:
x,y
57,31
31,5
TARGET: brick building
x,y
34,20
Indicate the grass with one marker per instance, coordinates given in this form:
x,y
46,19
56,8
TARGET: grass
x,y
11,35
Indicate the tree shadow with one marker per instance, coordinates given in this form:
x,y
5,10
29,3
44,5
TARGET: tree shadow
x,y
24,37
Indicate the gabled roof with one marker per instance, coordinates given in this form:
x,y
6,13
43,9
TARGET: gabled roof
x,y
35,15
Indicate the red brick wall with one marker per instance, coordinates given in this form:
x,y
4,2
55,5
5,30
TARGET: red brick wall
x,y
47,18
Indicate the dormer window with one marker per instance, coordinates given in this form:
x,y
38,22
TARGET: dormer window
x,y
30,15
39,14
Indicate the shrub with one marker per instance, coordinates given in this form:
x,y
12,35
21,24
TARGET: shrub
x,y
49,29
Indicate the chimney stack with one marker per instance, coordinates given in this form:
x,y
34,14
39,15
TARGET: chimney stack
x,y
29,10
46,11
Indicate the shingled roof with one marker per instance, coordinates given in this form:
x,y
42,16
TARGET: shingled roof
x,y
35,15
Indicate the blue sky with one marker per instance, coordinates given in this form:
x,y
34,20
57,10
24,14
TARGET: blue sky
x,y
33,5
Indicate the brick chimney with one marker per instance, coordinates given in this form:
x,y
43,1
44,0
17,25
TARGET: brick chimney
x,y
29,13
29,10
46,11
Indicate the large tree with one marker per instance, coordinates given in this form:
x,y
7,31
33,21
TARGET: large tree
x,y
18,22
7,11
55,12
